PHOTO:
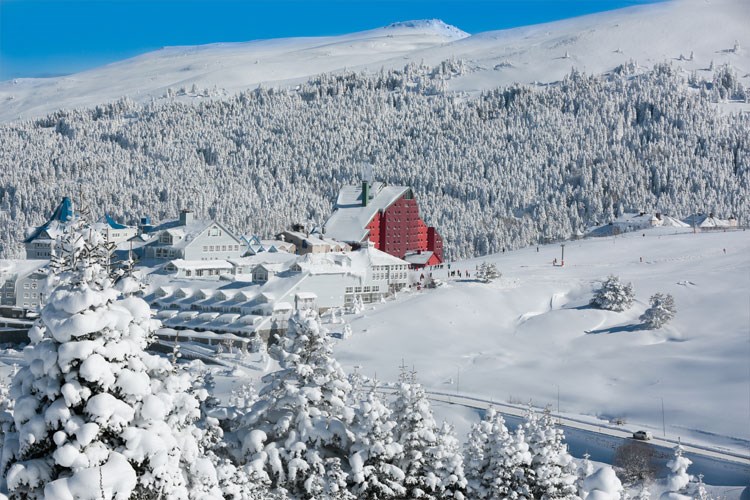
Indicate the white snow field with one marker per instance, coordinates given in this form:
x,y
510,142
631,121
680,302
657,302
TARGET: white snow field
x,y
710,30
524,336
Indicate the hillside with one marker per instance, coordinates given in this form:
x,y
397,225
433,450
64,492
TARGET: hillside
x,y
669,31
531,332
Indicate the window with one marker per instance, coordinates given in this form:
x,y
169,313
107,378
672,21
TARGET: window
x,y
358,289
199,272
223,248
367,289
188,272
205,248
212,248
26,286
349,289
34,285
25,295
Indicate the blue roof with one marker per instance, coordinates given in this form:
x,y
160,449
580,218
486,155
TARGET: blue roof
x,y
63,213
112,223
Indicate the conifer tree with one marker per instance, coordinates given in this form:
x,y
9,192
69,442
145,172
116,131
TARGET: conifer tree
x,y
613,295
92,407
301,417
660,312
554,468
374,474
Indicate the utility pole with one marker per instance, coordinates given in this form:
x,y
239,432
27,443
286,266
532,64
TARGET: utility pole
x,y
663,424
562,256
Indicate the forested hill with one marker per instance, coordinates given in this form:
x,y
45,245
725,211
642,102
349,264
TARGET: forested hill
x,y
508,168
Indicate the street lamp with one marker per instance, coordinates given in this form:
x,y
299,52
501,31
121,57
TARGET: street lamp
x,y
562,255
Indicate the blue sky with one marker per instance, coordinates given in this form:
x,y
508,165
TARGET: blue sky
x,y
52,37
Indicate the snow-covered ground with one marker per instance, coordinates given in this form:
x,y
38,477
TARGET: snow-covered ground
x,y
710,30
532,332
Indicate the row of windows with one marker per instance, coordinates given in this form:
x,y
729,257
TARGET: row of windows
x,y
31,285
221,248
366,289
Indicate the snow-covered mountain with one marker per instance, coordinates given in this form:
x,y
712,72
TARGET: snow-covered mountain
x,y
692,33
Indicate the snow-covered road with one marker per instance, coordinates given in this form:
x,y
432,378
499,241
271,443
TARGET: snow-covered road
x,y
719,467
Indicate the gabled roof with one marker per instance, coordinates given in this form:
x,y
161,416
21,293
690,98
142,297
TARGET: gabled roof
x,y
63,213
350,218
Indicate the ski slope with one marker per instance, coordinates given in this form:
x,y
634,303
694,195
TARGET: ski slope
x,y
531,334
649,34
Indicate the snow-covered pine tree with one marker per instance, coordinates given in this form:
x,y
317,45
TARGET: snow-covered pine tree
x,y
422,441
554,468
488,272
445,465
496,461
660,312
585,469
6,431
301,417
92,407
678,478
613,295
374,474
477,456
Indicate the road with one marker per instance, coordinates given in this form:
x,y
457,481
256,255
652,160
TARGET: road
x,y
719,467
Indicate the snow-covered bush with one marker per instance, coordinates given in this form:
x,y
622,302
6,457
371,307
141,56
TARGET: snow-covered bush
x,y
678,479
94,413
602,485
488,272
613,295
635,461
660,312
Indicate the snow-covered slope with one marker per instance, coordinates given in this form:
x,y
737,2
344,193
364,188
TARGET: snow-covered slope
x,y
532,332
543,53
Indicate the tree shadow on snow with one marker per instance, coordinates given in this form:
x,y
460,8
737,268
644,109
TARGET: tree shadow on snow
x,y
618,329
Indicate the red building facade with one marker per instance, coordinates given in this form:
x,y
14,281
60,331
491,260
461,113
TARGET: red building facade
x,y
398,230
388,216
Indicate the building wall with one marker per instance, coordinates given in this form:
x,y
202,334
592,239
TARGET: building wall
x,y
399,230
214,244
435,244
31,291
39,249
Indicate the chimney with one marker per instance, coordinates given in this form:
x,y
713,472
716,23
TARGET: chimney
x,y
365,193
186,217
366,183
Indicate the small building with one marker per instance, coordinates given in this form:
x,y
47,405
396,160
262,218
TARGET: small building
x,y
305,243
199,269
192,240
421,259
41,241
114,232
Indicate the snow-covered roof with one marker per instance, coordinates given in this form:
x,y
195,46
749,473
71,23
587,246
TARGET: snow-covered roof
x,y
703,220
350,218
419,258
62,213
201,264
306,295
264,258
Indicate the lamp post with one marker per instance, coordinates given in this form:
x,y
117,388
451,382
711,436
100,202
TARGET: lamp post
x,y
663,424
562,254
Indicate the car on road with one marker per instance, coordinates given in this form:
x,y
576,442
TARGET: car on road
x,y
642,435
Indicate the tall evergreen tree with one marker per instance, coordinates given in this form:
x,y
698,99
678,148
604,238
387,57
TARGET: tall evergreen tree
x,y
301,418
93,409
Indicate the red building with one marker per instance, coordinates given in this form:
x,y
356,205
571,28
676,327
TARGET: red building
x,y
389,217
